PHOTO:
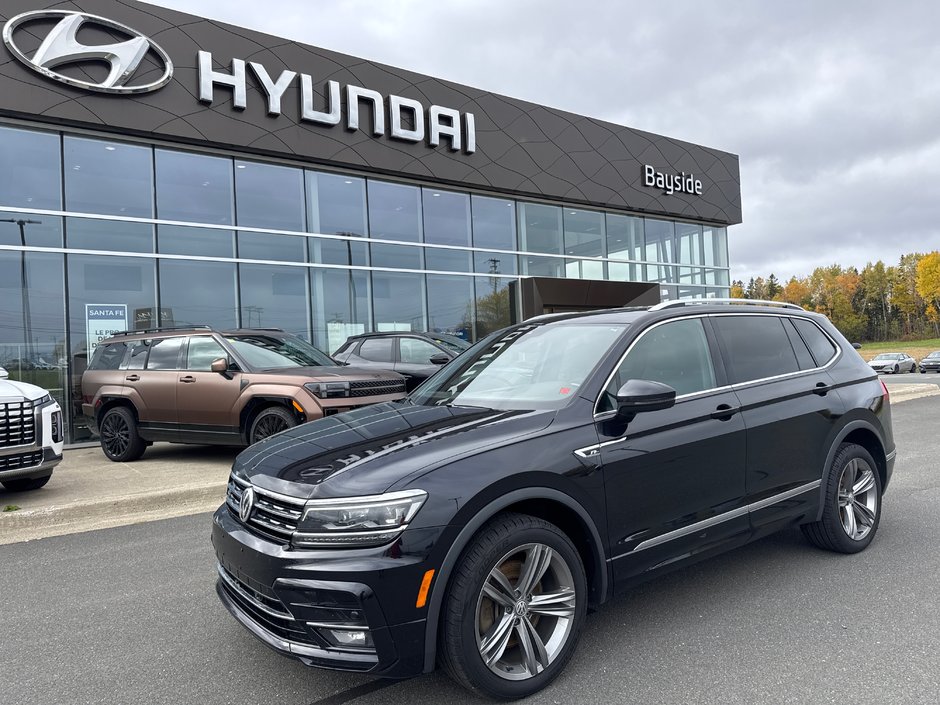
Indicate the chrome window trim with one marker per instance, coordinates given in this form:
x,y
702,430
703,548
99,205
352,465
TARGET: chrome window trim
x,y
720,518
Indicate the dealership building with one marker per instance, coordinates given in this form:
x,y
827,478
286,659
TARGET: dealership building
x,y
162,169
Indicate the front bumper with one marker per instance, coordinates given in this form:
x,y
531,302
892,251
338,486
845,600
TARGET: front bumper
x,y
29,464
292,600
41,448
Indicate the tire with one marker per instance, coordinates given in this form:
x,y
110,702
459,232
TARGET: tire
x,y
896,369
848,525
26,484
923,372
120,440
483,605
269,421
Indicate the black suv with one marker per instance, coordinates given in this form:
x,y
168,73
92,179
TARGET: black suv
x,y
417,356
554,464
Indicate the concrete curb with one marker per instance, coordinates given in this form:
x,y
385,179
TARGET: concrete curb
x,y
905,392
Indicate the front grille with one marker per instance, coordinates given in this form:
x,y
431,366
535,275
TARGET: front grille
x,y
17,424
370,388
21,460
273,517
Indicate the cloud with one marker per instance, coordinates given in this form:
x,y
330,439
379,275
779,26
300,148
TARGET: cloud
x,y
833,108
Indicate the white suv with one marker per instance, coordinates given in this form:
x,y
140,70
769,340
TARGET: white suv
x,y
31,435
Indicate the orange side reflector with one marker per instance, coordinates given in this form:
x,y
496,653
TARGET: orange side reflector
x,y
297,406
423,591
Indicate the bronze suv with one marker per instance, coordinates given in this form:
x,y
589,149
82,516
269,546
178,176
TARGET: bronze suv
x,y
200,385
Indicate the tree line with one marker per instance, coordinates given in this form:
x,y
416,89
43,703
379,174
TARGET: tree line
x,y
880,302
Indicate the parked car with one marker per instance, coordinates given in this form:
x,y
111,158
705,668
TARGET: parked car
x,y
931,363
893,363
31,434
417,356
199,385
556,463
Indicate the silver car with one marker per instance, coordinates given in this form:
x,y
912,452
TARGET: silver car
x,y
893,363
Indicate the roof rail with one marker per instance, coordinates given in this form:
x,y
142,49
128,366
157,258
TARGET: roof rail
x,y
742,302
161,330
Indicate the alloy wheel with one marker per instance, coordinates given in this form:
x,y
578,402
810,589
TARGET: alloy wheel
x,y
268,426
858,499
115,434
525,611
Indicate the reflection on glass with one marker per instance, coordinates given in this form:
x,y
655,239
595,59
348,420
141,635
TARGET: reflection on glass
x,y
30,171
493,309
274,297
270,246
336,204
398,300
450,305
446,217
689,246
540,228
108,235
543,266
494,263
494,222
347,252
199,293
625,241
584,233
194,187
396,256
341,306
394,211
659,248
27,229
183,240
716,246
446,260
107,177
269,196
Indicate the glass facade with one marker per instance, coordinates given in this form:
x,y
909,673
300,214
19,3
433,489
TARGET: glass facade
x,y
171,237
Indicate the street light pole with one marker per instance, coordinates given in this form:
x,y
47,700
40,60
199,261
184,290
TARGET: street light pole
x,y
27,322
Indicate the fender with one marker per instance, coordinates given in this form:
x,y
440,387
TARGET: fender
x,y
840,436
467,533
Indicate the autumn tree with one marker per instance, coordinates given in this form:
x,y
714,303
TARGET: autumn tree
x,y
927,284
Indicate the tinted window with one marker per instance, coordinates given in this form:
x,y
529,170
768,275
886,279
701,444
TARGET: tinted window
x,y
394,211
450,305
108,235
198,293
30,175
494,263
540,228
269,196
37,231
202,351
138,355
338,251
164,354
803,357
288,248
194,187
755,347
674,353
336,203
274,297
108,357
494,222
446,217
416,351
377,349
398,301
818,344
184,240
108,177
446,260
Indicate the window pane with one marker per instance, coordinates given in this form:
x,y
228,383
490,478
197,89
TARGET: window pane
x,y
203,349
37,230
446,260
625,241
493,309
341,306
674,353
337,204
446,217
415,351
540,228
716,246
164,354
584,233
108,235
194,187
348,252
198,293
377,349
494,222
494,263
689,251
269,196
397,256
398,299
819,345
659,235
756,347
275,297
803,357
450,305
30,171
108,177
543,266
286,248
394,211
182,240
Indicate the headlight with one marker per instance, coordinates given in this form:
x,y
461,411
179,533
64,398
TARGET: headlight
x,y
328,390
357,521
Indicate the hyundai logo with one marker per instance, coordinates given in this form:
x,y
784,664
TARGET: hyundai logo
x,y
247,504
61,47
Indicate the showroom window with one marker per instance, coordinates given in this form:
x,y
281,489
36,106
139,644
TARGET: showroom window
x,y
346,252
336,204
194,187
37,230
689,251
185,240
450,305
494,263
540,228
271,246
111,178
108,235
198,293
394,212
274,297
493,309
494,222
398,301
341,301
439,259
30,169
269,196
659,236
395,256
446,217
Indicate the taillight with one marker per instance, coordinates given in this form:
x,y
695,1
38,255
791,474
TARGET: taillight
x,y
884,388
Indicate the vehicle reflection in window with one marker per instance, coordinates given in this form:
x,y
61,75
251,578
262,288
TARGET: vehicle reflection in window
x,y
270,353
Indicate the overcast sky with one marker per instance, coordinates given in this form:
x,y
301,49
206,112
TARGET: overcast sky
x,y
833,107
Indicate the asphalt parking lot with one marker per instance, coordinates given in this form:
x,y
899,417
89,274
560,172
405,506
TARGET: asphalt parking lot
x,y
129,615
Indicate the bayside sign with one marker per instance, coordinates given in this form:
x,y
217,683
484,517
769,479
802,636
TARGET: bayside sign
x,y
407,118
671,183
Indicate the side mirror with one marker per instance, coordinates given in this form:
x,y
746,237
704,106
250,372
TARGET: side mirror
x,y
440,359
857,346
3,373
219,365
639,395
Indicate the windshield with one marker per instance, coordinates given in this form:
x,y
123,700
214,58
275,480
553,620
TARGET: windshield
x,y
268,352
887,356
451,342
535,367
934,355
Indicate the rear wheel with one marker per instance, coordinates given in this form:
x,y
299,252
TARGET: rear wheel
x,y
272,420
25,484
514,609
120,440
897,369
852,508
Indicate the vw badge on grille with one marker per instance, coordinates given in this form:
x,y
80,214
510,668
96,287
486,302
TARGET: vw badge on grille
x,y
61,46
247,504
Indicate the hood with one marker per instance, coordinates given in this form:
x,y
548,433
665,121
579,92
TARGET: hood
x,y
883,363
14,391
367,450
339,373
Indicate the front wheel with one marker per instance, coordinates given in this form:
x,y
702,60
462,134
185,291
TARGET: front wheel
x,y
897,369
514,609
119,438
852,508
272,420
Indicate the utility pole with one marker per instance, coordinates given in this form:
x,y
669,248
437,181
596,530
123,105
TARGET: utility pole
x,y
27,322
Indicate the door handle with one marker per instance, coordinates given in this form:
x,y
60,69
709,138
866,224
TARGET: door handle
x,y
188,379
723,412
132,378
822,389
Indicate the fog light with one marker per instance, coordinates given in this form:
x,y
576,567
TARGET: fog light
x,y
354,638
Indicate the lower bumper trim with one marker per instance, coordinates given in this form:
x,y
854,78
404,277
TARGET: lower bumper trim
x,y
44,468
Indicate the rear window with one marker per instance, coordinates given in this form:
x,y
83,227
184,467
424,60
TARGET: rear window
x,y
756,347
822,348
108,357
377,349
